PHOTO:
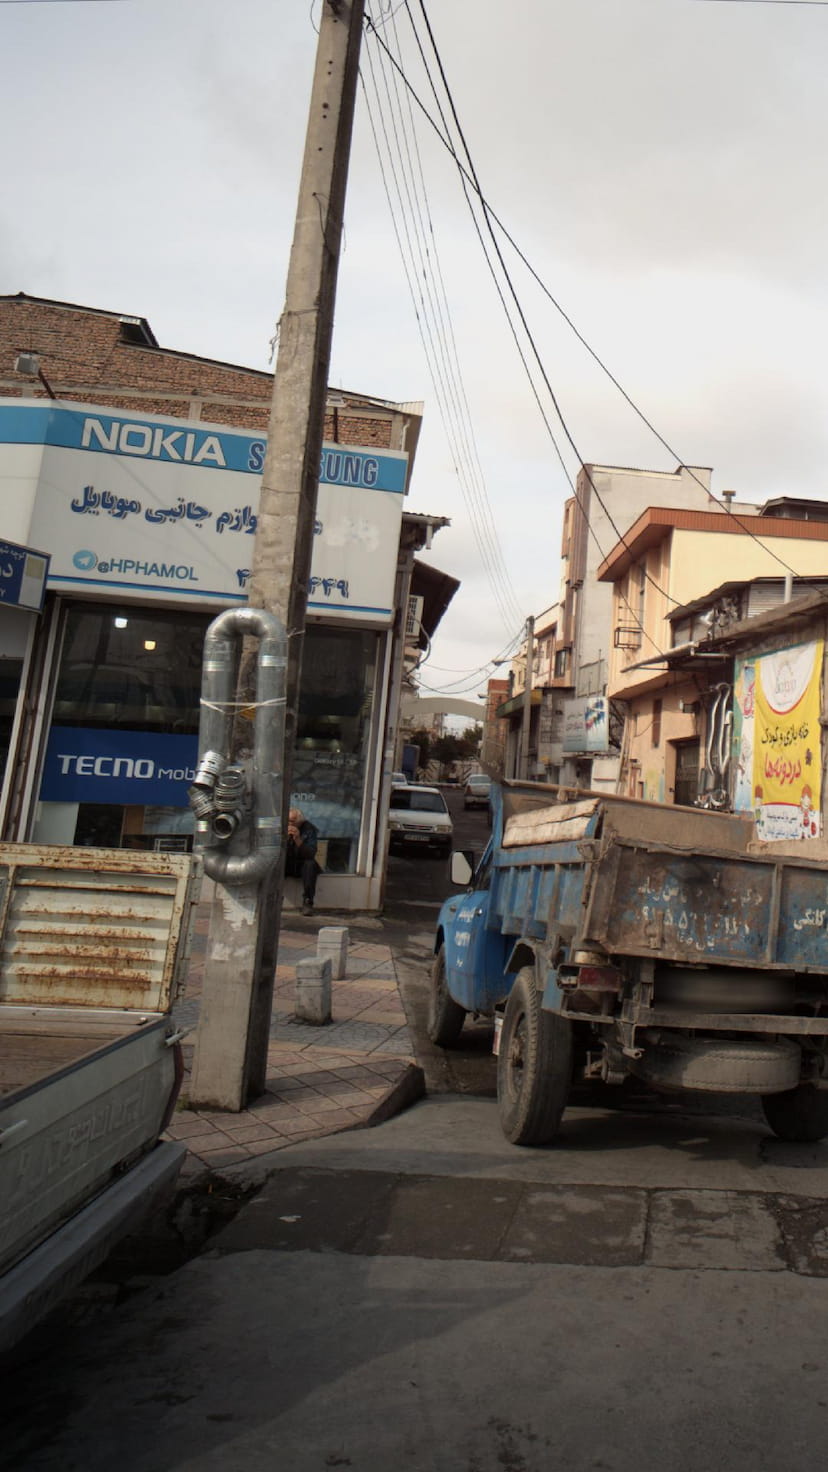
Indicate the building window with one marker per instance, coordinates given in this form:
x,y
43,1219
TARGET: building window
x,y
655,729
561,663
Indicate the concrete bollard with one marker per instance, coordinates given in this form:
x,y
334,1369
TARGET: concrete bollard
x,y
332,946
313,990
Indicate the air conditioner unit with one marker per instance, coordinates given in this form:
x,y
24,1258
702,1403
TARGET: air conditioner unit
x,y
413,618
627,637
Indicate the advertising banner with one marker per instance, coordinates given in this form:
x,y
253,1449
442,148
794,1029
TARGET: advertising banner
x,y
130,767
586,725
777,706
169,508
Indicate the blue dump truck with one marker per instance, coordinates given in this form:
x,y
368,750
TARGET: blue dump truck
x,y
609,936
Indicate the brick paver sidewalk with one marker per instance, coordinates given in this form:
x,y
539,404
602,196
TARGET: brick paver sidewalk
x,y
319,1079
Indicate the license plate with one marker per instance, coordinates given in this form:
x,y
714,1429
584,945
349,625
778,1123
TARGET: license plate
x,y
417,837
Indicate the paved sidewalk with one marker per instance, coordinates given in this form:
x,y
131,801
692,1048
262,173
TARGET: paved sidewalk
x,y
353,1072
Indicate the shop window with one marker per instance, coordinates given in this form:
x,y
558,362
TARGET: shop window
x,y
339,671
131,669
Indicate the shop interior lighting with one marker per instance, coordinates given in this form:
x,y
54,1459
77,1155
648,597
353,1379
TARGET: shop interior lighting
x,y
149,644
120,623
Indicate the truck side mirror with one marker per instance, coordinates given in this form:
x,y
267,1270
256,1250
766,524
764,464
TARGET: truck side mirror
x,y
462,868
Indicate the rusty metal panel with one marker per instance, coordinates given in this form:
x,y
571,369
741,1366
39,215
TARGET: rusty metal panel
x,y
707,907
94,927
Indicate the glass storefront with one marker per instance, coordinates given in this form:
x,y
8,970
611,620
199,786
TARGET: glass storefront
x,y
124,731
124,735
336,706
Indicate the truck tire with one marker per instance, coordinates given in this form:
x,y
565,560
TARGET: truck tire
x,y
445,1016
800,1114
719,1065
534,1066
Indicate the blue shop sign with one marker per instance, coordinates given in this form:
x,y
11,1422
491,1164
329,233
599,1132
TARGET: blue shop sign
x,y
130,767
188,442
23,575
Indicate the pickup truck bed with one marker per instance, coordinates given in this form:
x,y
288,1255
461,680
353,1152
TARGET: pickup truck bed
x,y
31,1049
93,944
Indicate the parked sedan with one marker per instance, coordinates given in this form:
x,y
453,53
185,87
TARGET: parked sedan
x,y
477,790
419,819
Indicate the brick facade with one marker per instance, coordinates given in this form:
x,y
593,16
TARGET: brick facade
x,y
100,357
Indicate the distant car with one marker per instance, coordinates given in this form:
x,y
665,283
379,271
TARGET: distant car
x,y
419,819
477,790
399,779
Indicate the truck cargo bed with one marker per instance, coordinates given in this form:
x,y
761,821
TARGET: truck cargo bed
x,y
33,1048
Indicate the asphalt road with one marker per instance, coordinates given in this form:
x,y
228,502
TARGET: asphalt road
x,y
416,884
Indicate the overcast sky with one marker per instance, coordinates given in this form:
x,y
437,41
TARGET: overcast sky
x,y
660,162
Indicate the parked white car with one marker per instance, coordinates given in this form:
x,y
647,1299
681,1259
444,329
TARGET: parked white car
x,y
419,819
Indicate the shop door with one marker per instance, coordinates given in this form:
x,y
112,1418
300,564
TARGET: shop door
x,y
686,788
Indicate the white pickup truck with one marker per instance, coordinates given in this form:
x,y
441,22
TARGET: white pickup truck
x,y
93,949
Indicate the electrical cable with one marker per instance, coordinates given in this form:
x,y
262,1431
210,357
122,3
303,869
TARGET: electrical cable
x,y
477,478
415,263
423,330
491,215
530,338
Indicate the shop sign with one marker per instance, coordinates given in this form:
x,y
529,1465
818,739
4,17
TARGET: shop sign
x,y
586,725
170,509
22,576
120,767
777,740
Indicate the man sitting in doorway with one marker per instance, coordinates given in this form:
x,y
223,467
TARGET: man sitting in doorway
x,y
300,857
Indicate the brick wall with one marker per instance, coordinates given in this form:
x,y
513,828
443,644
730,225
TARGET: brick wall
x,y
84,357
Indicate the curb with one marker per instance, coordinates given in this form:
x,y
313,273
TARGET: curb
x,y
409,1089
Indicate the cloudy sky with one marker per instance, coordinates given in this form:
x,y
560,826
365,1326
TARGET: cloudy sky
x,y
661,164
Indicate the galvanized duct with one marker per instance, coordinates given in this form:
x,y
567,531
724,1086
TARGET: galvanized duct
x,y
222,648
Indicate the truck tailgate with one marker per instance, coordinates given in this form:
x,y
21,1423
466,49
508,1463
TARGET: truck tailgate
x,y
769,911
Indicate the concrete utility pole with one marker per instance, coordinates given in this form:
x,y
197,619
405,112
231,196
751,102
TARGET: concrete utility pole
x,y
523,767
231,1056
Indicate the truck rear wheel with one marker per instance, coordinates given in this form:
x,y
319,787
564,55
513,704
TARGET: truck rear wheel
x,y
534,1066
798,1114
445,1016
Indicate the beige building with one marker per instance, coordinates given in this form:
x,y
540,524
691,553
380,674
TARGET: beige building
x,y
680,577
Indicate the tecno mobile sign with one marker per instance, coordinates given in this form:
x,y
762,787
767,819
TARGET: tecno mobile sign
x,y
84,765
169,509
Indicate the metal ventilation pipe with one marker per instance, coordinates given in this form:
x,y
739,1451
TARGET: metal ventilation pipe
x,y
222,651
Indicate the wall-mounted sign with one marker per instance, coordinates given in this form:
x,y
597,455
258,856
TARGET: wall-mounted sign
x,y
169,508
130,767
586,725
22,576
777,741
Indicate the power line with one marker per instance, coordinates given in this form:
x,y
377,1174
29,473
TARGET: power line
x,y
482,671
444,364
531,340
491,216
414,231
